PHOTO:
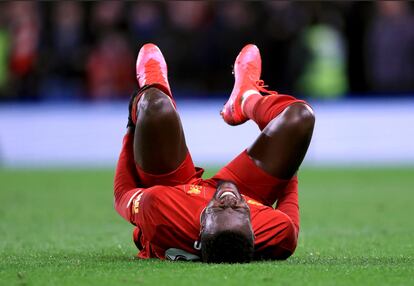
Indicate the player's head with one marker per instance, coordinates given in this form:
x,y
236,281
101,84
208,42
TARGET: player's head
x,y
226,230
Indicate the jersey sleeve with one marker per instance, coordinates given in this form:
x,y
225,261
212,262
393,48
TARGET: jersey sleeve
x,y
126,179
288,202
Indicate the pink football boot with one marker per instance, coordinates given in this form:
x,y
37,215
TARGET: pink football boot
x,y
247,70
151,71
151,67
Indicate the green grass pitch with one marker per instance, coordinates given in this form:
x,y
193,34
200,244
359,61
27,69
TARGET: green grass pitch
x,y
58,227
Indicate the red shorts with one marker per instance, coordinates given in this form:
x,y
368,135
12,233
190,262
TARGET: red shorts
x,y
250,179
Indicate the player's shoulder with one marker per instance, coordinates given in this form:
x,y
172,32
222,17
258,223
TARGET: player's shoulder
x,y
157,190
184,188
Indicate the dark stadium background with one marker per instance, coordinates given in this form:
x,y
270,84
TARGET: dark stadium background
x,y
86,51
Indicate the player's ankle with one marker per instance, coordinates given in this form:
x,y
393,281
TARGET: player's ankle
x,y
249,101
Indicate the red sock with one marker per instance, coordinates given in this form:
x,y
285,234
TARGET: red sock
x,y
262,109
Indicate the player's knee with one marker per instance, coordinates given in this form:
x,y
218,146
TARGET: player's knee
x,y
155,104
300,119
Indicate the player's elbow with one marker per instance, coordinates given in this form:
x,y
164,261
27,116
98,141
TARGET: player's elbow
x,y
283,244
289,242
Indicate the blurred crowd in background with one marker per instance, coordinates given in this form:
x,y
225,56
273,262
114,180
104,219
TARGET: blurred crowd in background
x,y
86,50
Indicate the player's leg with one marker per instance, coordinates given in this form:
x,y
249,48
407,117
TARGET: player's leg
x,y
285,138
160,150
282,145
266,171
159,143
286,123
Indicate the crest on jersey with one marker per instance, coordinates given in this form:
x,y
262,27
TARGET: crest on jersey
x,y
194,190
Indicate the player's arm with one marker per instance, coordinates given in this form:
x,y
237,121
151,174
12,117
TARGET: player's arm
x,y
288,202
126,178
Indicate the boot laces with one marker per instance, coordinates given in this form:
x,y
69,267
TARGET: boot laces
x,y
153,71
262,87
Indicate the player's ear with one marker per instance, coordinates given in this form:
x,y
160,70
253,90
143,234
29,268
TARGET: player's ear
x,y
202,226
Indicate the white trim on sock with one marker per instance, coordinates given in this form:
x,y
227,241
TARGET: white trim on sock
x,y
245,95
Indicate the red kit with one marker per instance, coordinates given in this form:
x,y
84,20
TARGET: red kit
x,y
166,208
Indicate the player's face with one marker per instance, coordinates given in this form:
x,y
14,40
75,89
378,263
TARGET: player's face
x,y
227,210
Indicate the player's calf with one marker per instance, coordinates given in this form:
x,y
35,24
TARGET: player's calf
x,y
281,147
159,143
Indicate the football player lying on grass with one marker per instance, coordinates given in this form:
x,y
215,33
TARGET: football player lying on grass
x,y
230,216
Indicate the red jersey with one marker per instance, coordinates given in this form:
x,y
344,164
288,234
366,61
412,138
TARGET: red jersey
x,y
167,215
